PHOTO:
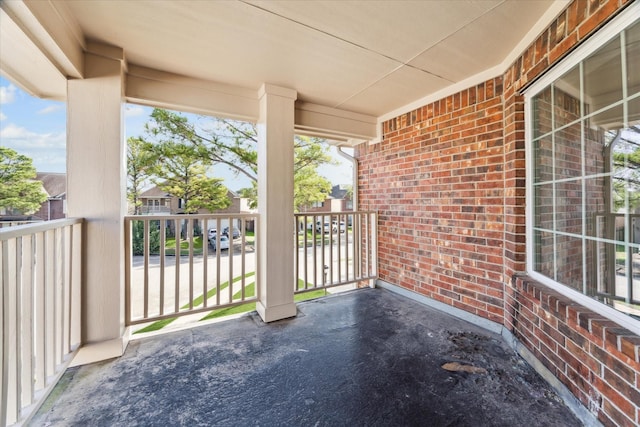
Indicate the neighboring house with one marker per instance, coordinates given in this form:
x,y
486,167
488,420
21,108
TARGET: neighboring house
x,y
155,202
55,185
339,200
55,207
158,202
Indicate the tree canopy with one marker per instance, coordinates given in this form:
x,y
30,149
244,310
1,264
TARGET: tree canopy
x,y
139,165
234,144
179,170
19,193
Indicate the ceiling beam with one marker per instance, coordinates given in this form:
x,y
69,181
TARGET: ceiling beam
x,y
161,89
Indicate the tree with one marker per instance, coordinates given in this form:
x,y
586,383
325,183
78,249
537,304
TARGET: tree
x,y
180,171
625,147
309,188
139,165
19,193
234,144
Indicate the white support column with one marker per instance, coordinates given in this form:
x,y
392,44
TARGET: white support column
x,y
275,203
96,186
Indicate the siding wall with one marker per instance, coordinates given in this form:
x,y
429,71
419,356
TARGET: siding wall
x,y
448,181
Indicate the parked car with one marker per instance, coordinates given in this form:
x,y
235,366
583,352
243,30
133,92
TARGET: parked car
x,y
224,243
343,226
211,234
236,232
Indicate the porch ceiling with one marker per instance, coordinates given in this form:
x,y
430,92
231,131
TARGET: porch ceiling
x,y
371,58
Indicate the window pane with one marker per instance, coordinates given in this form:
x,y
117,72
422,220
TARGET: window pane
x,y
543,159
633,59
568,152
544,206
634,113
599,135
569,261
603,77
566,98
604,265
626,170
569,207
596,205
544,254
542,113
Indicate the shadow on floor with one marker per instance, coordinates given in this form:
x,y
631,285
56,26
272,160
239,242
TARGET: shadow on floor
x,y
368,357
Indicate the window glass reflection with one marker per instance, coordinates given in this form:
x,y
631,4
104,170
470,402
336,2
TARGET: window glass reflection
x,y
603,77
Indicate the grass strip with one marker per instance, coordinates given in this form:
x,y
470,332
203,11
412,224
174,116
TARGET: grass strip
x,y
196,302
251,306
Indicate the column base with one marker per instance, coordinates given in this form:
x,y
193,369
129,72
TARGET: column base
x,y
279,312
103,350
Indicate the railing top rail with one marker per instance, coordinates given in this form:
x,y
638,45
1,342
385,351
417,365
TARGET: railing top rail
x,y
194,216
23,230
334,213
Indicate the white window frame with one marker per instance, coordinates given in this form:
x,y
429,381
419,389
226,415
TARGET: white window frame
x,y
600,38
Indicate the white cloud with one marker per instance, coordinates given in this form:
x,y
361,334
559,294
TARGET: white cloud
x,y
2,116
51,109
18,137
47,150
7,94
133,111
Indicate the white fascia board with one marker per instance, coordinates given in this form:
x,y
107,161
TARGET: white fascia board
x,y
335,124
166,90
53,30
545,20
24,63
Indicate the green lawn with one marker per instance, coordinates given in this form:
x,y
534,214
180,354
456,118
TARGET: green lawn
x,y
196,302
251,306
170,246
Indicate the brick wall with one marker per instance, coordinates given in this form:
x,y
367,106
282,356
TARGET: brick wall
x,y
595,358
448,182
437,182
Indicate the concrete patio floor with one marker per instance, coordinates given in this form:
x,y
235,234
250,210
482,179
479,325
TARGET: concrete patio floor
x,y
367,357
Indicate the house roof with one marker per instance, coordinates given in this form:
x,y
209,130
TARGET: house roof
x,y
55,184
155,192
349,62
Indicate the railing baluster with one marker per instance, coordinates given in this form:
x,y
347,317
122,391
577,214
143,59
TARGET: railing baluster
x,y
205,261
4,318
163,243
243,232
146,237
217,249
230,257
190,240
28,393
176,294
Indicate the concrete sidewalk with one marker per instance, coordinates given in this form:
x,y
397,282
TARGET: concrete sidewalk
x,y
368,357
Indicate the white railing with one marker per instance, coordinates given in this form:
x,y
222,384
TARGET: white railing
x,y
335,249
40,303
173,269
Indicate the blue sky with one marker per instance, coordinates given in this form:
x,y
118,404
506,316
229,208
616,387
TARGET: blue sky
x,y
37,128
